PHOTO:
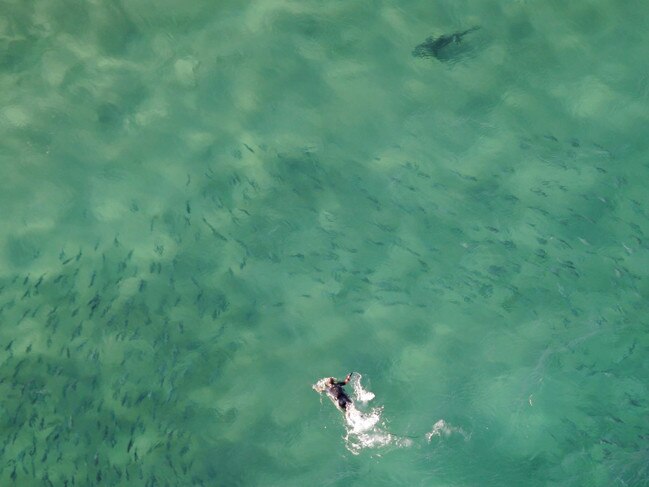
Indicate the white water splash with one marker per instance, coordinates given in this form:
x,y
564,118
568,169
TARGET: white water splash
x,y
320,386
443,429
367,430
359,393
364,429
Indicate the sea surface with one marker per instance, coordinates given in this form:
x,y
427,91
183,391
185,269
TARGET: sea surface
x,y
207,207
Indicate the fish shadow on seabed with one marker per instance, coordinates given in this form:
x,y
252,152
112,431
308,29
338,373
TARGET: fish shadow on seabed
x,y
449,48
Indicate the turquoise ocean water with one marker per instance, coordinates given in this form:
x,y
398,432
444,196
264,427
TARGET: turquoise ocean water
x,y
208,206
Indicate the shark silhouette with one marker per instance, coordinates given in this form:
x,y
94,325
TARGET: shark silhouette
x,y
433,47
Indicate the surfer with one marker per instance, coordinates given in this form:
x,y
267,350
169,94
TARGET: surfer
x,y
335,391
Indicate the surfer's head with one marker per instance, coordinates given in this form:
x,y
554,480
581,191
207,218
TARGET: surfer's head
x,y
330,381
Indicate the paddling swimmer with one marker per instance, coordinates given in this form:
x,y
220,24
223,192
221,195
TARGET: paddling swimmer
x,y
335,391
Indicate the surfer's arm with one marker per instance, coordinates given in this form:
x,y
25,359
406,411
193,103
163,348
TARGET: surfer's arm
x,y
347,379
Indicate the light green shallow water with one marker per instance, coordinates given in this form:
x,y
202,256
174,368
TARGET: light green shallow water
x,y
207,207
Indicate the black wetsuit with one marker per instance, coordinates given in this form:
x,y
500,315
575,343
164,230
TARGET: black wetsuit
x,y
337,392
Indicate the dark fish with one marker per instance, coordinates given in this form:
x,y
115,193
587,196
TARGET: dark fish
x,y
39,282
93,303
432,47
214,231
